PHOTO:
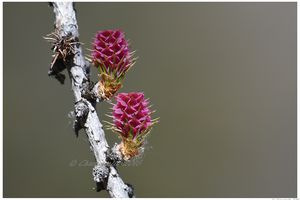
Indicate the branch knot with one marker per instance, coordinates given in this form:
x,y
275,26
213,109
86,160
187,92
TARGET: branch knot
x,y
100,175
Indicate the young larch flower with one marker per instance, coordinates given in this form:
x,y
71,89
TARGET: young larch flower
x,y
112,56
132,120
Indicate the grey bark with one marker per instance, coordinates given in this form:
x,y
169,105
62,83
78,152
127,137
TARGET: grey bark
x,y
104,173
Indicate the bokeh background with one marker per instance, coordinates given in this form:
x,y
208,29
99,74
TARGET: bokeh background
x,y
222,77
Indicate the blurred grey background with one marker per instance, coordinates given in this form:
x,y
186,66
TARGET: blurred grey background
x,y
222,77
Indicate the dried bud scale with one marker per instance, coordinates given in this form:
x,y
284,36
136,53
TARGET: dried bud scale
x,y
63,48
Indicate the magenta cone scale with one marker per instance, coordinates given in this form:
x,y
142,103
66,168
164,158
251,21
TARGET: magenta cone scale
x,y
111,51
131,114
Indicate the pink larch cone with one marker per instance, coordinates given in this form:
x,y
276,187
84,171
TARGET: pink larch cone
x,y
132,120
111,55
